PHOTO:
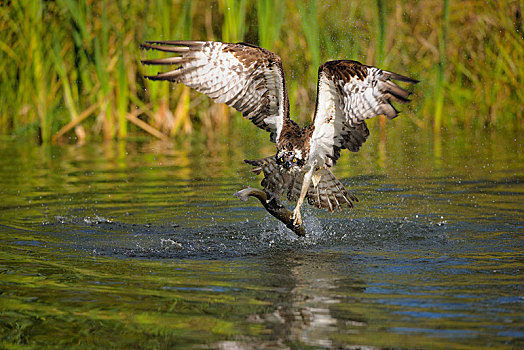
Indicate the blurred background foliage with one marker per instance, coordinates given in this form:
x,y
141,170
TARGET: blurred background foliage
x,y
71,68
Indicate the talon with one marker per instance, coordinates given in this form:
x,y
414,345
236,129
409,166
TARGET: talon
x,y
297,218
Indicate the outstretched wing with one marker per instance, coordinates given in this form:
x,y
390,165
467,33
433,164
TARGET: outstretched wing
x,y
243,76
348,94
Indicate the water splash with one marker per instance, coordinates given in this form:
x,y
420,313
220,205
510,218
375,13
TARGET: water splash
x,y
109,236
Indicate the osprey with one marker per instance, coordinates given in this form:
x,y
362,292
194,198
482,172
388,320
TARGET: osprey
x,y
251,80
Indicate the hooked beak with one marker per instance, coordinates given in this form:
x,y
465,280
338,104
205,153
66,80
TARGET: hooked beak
x,y
287,164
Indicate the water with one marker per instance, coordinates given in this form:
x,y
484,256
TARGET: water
x,y
143,245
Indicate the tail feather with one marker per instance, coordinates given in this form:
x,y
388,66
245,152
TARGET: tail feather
x,y
329,193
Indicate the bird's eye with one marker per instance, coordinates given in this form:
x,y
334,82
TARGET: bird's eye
x,y
294,160
281,160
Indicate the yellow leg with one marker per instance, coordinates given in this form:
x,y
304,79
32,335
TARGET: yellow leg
x,y
297,218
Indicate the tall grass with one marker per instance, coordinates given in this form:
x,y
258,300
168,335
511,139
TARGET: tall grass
x,y
169,112
70,68
234,24
381,32
441,70
270,16
310,28
380,57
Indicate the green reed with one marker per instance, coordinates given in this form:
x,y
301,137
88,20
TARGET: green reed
x,y
71,68
270,16
310,28
122,94
441,70
381,33
234,24
168,112
28,77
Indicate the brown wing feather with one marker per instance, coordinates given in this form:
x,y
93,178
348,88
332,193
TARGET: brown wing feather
x,y
243,76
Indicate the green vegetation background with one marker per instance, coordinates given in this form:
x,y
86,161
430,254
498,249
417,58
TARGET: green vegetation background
x,y
71,68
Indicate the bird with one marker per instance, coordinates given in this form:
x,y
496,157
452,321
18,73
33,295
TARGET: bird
x,y
251,79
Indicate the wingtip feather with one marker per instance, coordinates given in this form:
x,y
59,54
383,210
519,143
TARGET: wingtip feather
x,y
400,77
166,46
188,43
167,61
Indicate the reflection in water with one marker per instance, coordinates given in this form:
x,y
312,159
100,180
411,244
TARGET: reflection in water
x,y
304,316
301,314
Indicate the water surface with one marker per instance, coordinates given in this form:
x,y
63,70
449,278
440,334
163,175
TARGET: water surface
x,y
142,245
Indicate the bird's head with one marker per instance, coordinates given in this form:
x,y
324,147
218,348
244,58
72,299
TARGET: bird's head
x,y
290,160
